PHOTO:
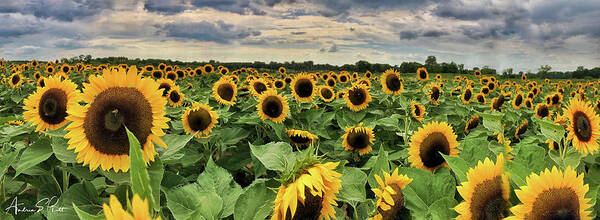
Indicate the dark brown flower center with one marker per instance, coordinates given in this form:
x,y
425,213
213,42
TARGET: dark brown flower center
x,y
310,210
259,87
480,98
485,90
208,69
199,120
304,88
42,83
561,203
272,106
417,110
111,111
522,129
331,82
473,123
180,74
157,74
171,76
174,96
422,74
358,139
15,79
357,96
53,106
543,111
582,126
279,84
467,95
555,99
326,93
165,87
431,148
393,83
287,80
487,201
519,100
225,91
395,210
298,139
435,93
343,78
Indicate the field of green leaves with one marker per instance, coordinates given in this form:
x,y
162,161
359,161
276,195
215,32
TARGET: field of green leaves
x,y
117,141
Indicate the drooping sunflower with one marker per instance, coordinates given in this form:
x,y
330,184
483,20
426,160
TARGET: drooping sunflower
x,y
303,87
225,91
480,97
517,101
199,118
553,195
390,82
326,93
272,106
115,101
390,199
279,84
584,126
521,129
175,97
258,86
422,74
428,142
472,123
357,97
15,80
358,138
467,95
300,138
140,209
311,195
47,107
497,103
486,191
542,110
165,85
417,110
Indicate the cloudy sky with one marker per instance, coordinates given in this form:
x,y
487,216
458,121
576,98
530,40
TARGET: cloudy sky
x,y
514,33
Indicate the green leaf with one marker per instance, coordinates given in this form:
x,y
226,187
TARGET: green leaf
x,y
572,158
443,208
426,188
218,180
232,136
255,203
493,122
6,160
137,172
459,167
353,186
279,129
552,131
33,155
275,155
518,173
59,147
86,216
381,164
155,172
190,202
6,216
83,195
174,143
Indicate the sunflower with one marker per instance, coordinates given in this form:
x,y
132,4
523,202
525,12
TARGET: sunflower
x,y
326,93
552,145
47,107
198,71
553,195
279,84
521,129
158,74
524,77
168,69
303,87
434,93
300,138
310,196
357,97
341,94
41,82
390,82
180,74
344,78
65,68
37,75
417,110
364,81
172,76
50,69
428,142
149,68
358,138
438,76
584,127
467,95
175,97
15,80
422,74
480,97
517,101
258,86
477,73
484,90
115,101
140,209
556,99
282,70
224,71
455,91
390,199
485,192
62,75
224,91
472,123
208,68
272,106
496,104
199,118
542,110
165,85
529,103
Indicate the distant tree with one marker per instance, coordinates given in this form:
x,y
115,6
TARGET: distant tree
x,y
544,69
431,60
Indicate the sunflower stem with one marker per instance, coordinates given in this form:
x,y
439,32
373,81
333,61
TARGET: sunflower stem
x,y
65,176
55,180
2,188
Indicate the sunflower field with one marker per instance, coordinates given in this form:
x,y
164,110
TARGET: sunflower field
x,y
108,141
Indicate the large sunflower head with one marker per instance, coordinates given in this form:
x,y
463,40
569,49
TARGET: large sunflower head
x,y
47,107
391,83
584,126
561,198
258,86
272,106
303,87
472,123
225,91
358,138
486,191
300,138
542,110
326,93
390,199
199,119
15,80
175,97
165,85
115,101
467,95
139,209
422,74
521,129
417,110
428,142
357,97
311,195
